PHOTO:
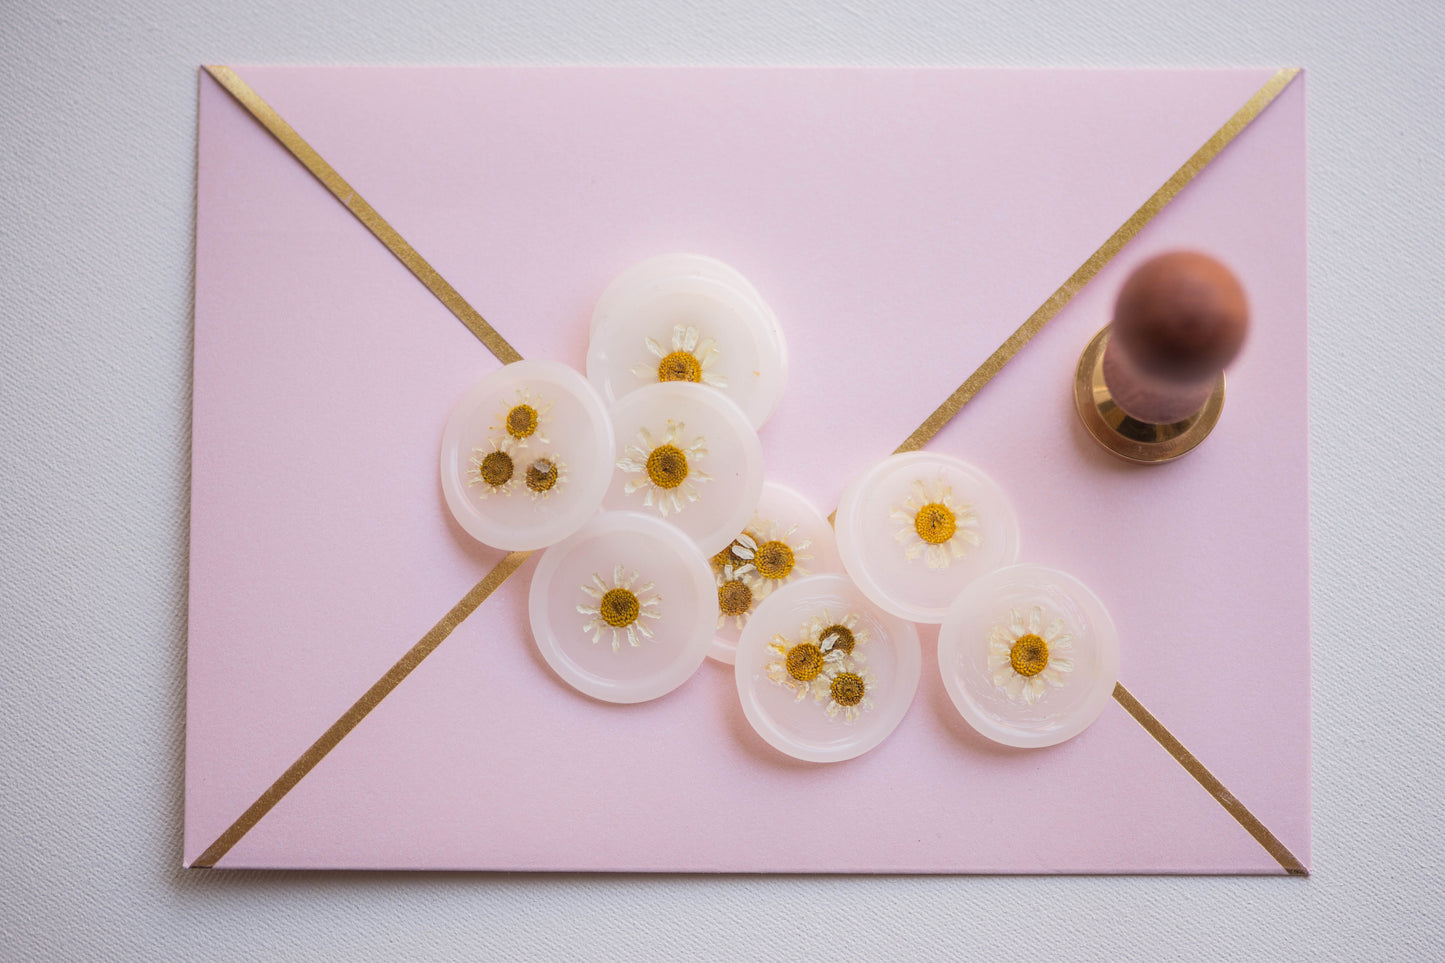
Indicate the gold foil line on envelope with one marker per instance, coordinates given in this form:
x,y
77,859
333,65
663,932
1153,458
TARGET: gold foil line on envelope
x,y
359,710
925,432
364,213
1210,782
944,413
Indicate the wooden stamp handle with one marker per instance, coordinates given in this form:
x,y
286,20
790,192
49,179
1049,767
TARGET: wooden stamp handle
x,y
1180,318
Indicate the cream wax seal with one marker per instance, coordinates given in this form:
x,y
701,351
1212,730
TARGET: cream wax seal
x,y
687,455
687,318
823,674
623,610
526,456
1029,655
914,529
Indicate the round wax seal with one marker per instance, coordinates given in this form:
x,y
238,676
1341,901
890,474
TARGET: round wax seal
x,y
786,539
686,454
526,456
689,319
623,610
823,674
1029,655
915,528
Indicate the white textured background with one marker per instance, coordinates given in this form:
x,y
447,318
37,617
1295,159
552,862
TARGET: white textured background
x,y
97,178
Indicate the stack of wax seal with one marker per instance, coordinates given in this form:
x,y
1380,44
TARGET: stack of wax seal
x,y
685,362
664,543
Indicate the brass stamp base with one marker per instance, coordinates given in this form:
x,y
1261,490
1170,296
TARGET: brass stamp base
x,y
1138,441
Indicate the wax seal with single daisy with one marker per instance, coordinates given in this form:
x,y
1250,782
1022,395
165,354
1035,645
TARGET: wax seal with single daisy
x,y
914,529
686,318
1029,655
687,455
526,456
823,674
623,610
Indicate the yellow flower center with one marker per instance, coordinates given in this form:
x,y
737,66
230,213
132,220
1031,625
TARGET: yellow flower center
x,y
935,523
805,661
521,421
774,560
843,639
848,688
667,466
679,366
496,468
1029,654
734,597
541,475
619,608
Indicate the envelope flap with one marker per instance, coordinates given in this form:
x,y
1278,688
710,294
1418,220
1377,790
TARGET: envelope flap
x,y
901,222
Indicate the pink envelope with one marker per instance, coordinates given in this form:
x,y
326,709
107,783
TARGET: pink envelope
x,y
903,224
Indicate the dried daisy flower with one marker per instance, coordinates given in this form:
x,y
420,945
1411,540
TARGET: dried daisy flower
x,y
689,359
621,606
776,555
802,666
524,419
848,692
843,635
493,471
934,524
735,597
665,470
545,475
1026,657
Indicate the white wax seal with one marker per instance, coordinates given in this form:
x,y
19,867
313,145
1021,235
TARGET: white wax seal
x,y
825,675
692,319
688,455
914,529
527,455
1029,655
623,610
786,539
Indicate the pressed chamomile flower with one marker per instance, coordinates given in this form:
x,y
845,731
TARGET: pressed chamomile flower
x,y
848,692
620,607
802,666
545,475
665,470
843,635
935,524
689,360
734,596
1026,655
493,470
776,555
524,419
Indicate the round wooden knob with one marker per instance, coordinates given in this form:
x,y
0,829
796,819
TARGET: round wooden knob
x,y
1180,318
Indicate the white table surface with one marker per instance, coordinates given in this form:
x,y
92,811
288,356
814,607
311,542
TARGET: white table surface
x,y
97,180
